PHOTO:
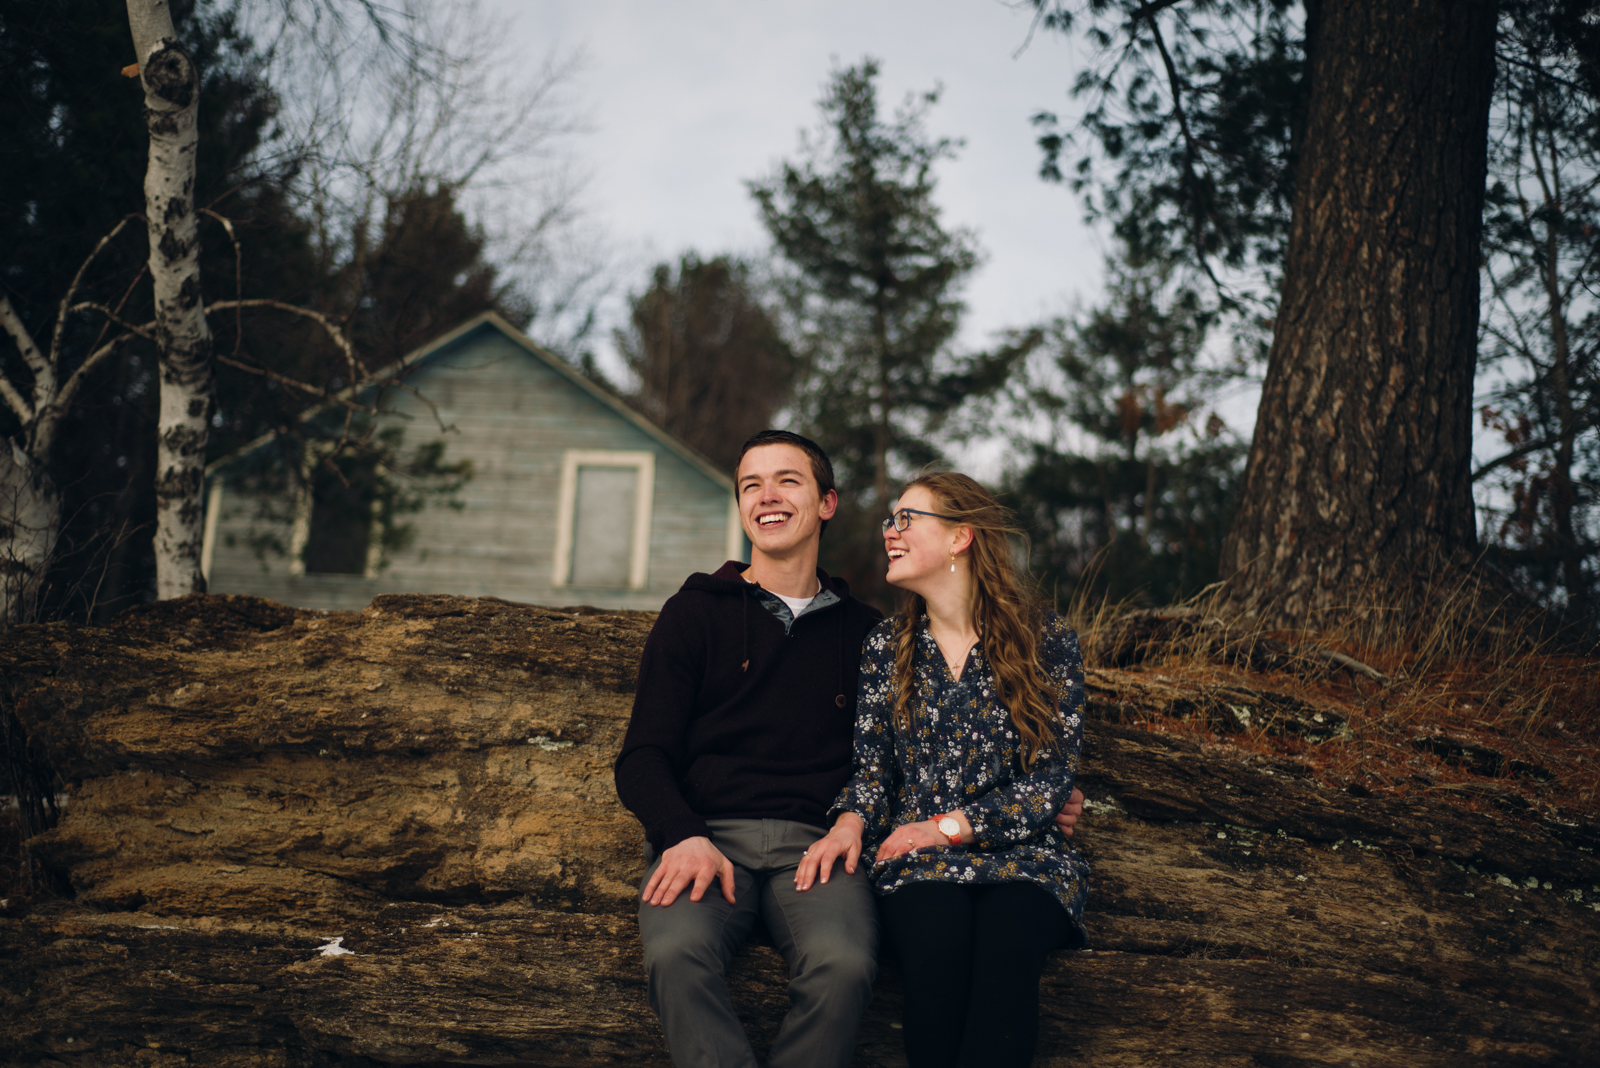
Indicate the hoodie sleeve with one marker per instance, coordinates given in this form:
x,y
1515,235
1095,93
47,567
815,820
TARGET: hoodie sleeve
x,y
653,749
871,791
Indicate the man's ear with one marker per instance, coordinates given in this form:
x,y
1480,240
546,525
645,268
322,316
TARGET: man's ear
x,y
830,504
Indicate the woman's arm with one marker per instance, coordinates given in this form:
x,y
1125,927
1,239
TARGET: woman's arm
x,y
1029,803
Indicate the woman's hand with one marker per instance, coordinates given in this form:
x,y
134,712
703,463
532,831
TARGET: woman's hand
x,y
844,841
910,837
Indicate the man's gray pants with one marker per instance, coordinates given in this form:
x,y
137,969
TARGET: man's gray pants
x,y
829,936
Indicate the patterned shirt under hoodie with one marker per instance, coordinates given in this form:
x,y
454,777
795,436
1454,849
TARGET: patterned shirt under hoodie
x,y
964,753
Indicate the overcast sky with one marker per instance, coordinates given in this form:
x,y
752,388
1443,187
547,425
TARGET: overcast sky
x,y
689,100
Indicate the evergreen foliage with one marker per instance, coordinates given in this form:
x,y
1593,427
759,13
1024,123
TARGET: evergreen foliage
x,y
1542,315
874,299
876,282
1193,111
1129,484
710,362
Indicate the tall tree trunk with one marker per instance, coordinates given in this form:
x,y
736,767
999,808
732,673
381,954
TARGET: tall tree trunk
x,y
1359,474
172,98
1563,495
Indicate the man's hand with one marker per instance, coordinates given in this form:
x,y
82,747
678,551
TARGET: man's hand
x,y
1070,812
693,860
844,841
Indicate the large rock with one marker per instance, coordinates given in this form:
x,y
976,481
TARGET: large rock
x,y
390,837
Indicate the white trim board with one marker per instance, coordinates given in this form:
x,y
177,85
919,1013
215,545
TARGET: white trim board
x,y
642,461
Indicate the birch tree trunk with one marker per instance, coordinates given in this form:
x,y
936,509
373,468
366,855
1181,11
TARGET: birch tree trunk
x,y
1359,475
172,98
30,519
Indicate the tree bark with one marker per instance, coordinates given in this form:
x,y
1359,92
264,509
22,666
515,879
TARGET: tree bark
x,y
1358,479
172,101
30,519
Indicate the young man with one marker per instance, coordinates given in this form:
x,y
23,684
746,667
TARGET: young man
x,y
739,743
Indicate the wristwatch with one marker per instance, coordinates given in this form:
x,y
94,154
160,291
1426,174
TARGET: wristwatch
x,y
950,827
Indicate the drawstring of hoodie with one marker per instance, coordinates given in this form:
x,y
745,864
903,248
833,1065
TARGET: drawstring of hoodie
x,y
744,597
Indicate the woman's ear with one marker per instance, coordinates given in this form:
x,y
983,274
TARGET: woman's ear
x,y
961,540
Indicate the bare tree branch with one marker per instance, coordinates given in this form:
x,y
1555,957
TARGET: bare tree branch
x,y
295,383
357,370
238,275
77,280
30,354
362,379
1531,447
50,415
1192,147
146,331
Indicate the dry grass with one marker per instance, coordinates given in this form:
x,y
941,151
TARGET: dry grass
x,y
1471,707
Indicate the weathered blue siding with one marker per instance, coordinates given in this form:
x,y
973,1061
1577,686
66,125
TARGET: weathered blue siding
x,y
512,414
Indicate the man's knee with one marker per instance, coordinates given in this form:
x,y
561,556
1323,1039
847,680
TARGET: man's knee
x,y
678,950
841,969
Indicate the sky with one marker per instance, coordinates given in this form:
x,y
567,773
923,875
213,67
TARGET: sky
x,y
688,101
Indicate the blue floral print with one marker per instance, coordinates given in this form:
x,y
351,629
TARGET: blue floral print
x,y
963,752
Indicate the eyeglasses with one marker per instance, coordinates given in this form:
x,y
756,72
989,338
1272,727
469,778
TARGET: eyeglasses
x,y
902,518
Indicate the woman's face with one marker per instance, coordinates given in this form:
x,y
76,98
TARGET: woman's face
x,y
921,552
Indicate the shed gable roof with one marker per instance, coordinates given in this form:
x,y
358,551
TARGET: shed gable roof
x,y
462,335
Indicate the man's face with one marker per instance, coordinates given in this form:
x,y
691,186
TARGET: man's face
x,y
778,501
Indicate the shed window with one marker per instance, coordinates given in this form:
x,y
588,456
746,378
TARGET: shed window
x,y
336,526
603,521
341,518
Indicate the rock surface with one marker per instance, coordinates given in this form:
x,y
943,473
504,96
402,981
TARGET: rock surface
x,y
391,838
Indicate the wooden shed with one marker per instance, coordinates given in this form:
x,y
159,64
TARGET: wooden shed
x,y
572,497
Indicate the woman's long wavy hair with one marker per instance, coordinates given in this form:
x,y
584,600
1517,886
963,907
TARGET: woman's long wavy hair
x,y
1006,614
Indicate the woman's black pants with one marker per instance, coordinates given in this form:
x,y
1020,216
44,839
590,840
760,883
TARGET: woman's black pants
x,y
971,957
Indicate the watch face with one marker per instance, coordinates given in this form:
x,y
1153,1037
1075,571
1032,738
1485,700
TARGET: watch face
x,y
949,827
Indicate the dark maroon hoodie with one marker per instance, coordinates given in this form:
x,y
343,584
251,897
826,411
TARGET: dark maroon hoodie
x,y
737,718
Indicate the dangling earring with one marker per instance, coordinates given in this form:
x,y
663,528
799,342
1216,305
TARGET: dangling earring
x,y
952,563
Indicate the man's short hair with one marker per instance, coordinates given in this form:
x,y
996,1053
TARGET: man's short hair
x,y
821,466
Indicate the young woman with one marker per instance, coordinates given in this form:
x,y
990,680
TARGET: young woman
x,y
969,723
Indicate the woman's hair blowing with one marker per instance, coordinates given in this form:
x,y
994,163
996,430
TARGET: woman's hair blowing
x,y
1005,613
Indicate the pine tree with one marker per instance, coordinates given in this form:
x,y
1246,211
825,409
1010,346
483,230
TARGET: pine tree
x,y
1131,485
711,365
875,283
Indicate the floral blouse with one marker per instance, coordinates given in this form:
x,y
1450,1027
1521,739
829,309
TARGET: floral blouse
x,y
963,752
